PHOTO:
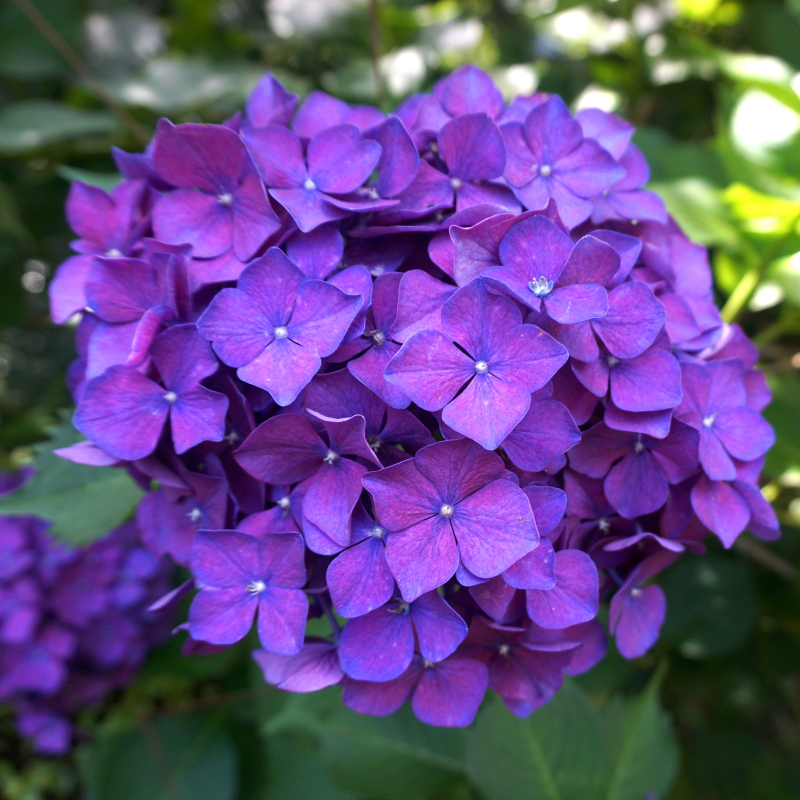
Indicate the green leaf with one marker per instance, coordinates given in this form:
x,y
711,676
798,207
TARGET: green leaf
x,y
558,753
384,758
31,124
711,605
782,414
641,731
188,757
83,503
104,180
699,210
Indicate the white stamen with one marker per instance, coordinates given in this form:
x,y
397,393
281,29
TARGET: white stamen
x,y
604,524
330,458
456,183
256,587
195,515
612,361
504,650
225,199
281,332
309,184
446,511
634,222
378,337
545,170
604,192
113,253
284,502
427,664
636,592
435,148
638,447
378,532
541,287
481,367
171,397
709,420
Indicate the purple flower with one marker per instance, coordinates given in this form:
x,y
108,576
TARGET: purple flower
x,y
643,467
485,346
107,224
447,694
269,103
123,412
313,668
219,203
286,449
320,111
548,157
276,327
450,502
319,187
379,646
239,574
715,403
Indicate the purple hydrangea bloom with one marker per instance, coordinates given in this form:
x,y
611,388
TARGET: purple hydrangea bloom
x,y
372,390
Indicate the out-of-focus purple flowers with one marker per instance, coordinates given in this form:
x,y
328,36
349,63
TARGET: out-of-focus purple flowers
x,y
74,623
446,378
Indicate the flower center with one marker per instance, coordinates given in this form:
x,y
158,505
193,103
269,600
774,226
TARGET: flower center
x,y
604,525
113,253
505,650
377,337
435,148
284,502
225,199
456,183
310,185
281,332
427,664
375,443
377,532
481,367
638,447
612,361
171,397
709,420
330,457
636,593
401,608
545,170
256,587
195,514
446,511
541,287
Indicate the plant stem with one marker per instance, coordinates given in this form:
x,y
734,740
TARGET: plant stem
x,y
84,71
376,48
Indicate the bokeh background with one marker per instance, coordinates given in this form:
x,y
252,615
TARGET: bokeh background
x,y
714,88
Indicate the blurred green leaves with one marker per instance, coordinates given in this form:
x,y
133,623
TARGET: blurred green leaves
x,y
82,502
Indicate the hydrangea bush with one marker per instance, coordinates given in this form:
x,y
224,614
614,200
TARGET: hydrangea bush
x,y
447,377
74,623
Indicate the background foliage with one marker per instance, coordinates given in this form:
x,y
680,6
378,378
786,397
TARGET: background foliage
x,y
714,87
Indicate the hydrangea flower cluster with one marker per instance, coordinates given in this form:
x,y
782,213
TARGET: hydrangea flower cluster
x,y
448,376
74,623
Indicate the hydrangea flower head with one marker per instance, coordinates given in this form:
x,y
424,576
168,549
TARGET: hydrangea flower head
x,y
448,379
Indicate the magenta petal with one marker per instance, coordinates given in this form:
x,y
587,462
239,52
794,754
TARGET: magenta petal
x,y
321,316
422,557
472,147
222,615
315,667
574,599
66,290
380,699
637,624
720,508
469,89
282,619
548,505
440,630
269,103
122,412
278,156
198,415
650,382
317,253
254,221
283,450
330,497
378,646
186,216
121,289
308,207
714,458
399,158
634,319
577,303
339,160
494,528
282,369
636,486
429,369
369,369
449,693
535,570
546,431
419,304
237,327
744,432
359,579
